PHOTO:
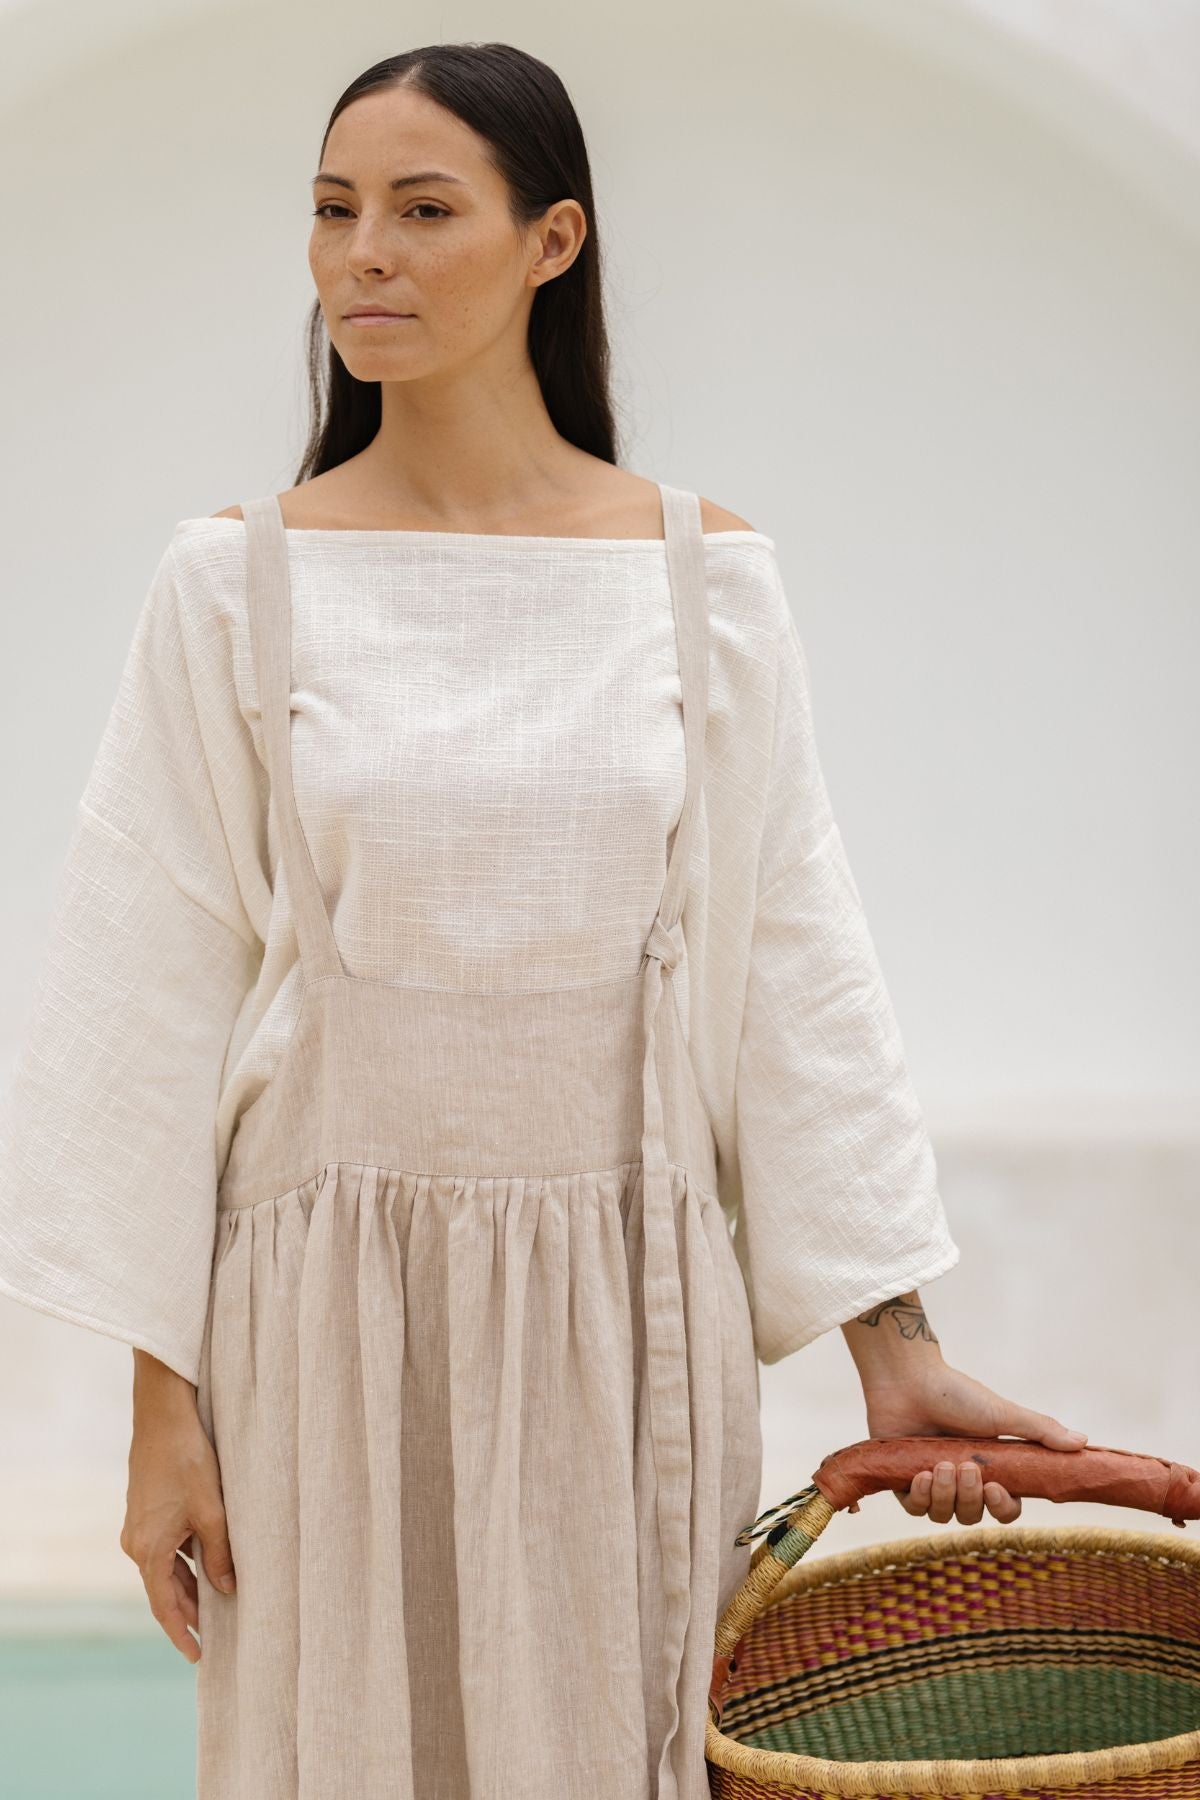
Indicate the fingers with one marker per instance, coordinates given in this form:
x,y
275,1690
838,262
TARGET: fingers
x,y
947,1491
214,1554
1043,1428
159,1580
185,1586
171,1584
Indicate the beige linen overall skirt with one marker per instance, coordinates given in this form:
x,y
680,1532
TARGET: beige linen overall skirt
x,y
478,1363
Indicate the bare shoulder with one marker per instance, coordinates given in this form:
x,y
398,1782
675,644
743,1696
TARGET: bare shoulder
x,y
712,516
717,518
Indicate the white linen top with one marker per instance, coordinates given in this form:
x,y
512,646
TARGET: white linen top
x,y
488,762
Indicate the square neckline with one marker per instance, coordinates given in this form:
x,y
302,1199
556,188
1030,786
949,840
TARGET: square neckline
x,y
407,535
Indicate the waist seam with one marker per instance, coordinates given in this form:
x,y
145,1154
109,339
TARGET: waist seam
x,y
335,1162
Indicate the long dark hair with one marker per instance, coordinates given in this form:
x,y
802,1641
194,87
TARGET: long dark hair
x,y
520,107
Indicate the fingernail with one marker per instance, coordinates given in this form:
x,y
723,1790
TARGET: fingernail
x,y
225,1583
970,1473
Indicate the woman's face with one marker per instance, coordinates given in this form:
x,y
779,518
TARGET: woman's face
x,y
442,249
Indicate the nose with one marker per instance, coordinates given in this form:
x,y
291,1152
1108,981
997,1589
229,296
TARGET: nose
x,y
369,249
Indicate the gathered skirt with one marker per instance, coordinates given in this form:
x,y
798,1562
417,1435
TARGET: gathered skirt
x,y
427,1395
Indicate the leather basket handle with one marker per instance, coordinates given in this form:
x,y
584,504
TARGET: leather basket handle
x,y
1095,1473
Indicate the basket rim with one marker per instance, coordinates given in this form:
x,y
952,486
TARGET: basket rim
x,y
963,1774
818,1570
932,1777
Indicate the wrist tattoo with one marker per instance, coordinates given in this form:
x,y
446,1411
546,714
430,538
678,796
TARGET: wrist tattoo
x,y
908,1314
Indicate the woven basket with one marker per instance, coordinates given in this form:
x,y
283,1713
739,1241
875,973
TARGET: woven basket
x,y
997,1661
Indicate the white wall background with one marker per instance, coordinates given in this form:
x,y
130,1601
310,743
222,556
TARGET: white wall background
x,y
914,287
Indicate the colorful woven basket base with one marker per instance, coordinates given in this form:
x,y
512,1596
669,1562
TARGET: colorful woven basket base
x,y
1036,1708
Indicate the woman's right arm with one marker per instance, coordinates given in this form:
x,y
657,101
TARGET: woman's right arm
x,y
174,1491
108,1147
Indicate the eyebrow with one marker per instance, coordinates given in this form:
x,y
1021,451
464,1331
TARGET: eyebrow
x,y
401,181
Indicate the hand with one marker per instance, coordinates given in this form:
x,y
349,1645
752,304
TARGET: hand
x,y
173,1496
940,1400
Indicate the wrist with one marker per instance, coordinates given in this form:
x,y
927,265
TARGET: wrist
x,y
892,1341
157,1388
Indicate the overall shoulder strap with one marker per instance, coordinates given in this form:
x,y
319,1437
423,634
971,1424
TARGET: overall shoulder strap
x,y
269,609
689,600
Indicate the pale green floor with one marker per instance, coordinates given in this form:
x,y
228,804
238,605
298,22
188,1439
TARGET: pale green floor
x,y
96,1717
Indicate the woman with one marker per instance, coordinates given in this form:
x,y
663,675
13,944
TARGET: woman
x,y
383,1091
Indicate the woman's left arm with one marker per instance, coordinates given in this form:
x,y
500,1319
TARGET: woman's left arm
x,y
910,1390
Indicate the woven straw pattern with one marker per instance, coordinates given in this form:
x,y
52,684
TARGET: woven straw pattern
x,y
1160,1784
1079,1648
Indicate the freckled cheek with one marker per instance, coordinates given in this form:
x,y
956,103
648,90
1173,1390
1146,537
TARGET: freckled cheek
x,y
461,300
322,268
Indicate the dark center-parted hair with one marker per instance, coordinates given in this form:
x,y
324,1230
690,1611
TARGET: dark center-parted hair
x,y
520,109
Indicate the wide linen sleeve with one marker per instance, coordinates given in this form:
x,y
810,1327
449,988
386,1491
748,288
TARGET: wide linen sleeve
x,y
107,1160
839,1204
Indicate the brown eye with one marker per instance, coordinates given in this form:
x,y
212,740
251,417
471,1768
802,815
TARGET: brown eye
x,y
323,211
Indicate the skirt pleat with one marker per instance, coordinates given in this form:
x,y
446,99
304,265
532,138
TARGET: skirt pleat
x,y
440,1488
